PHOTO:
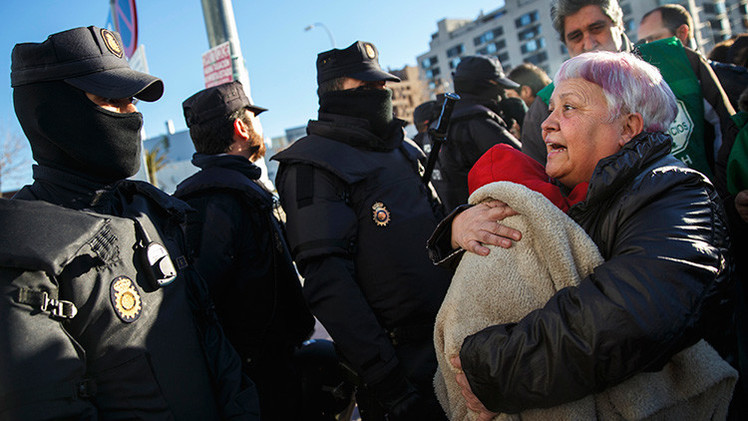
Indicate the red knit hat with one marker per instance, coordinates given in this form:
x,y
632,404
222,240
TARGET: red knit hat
x,y
504,163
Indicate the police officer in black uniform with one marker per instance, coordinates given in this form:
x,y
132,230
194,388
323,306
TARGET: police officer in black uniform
x,y
240,246
476,125
358,218
423,115
101,315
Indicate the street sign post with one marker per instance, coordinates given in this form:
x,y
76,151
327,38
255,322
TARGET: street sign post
x,y
125,20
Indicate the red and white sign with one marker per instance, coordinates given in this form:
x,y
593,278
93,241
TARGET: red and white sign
x,y
126,23
217,65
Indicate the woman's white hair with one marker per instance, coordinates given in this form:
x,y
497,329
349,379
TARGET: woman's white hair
x,y
630,85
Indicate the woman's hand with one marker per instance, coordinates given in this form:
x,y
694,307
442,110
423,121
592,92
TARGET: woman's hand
x,y
472,401
480,224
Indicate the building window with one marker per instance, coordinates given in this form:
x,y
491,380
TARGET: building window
x,y
529,33
533,45
500,44
538,58
526,19
454,62
428,62
431,73
488,36
629,25
455,51
716,24
503,57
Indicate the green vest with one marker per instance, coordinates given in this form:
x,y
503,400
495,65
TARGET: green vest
x,y
687,130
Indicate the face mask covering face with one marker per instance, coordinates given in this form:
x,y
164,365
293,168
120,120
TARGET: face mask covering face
x,y
68,132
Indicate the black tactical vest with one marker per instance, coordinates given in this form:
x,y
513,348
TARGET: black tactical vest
x,y
396,214
95,318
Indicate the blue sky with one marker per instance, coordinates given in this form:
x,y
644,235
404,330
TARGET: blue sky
x,y
279,54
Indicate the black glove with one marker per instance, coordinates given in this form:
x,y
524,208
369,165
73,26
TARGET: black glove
x,y
391,390
401,401
415,407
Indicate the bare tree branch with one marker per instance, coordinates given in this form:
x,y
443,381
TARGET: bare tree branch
x,y
14,155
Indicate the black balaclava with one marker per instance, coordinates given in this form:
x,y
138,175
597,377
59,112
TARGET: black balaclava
x,y
68,132
483,89
513,109
374,105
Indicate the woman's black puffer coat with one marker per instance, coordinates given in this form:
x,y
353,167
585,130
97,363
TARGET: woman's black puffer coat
x,y
663,286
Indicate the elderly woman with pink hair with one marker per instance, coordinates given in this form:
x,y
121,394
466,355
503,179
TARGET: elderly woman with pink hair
x,y
664,283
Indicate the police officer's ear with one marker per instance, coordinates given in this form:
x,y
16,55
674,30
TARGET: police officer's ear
x,y
241,129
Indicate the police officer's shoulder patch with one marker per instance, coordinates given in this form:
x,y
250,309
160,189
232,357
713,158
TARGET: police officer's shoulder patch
x,y
380,214
111,42
125,299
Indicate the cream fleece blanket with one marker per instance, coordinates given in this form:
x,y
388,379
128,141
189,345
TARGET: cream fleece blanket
x,y
509,283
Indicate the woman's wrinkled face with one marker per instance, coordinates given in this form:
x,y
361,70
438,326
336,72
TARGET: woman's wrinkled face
x,y
579,131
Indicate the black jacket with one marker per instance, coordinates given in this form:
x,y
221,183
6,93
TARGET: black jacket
x,y
134,350
663,286
241,252
734,80
358,219
474,128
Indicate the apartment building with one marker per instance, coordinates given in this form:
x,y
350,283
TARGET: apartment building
x,y
521,31
409,93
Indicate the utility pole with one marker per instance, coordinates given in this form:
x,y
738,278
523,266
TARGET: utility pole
x,y
221,27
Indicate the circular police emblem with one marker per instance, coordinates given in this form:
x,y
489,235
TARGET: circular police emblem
x,y
380,214
125,299
111,42
370,51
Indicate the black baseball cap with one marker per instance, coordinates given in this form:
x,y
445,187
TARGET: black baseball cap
x,y
91,59
426,112
359,61
483,68
215,102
